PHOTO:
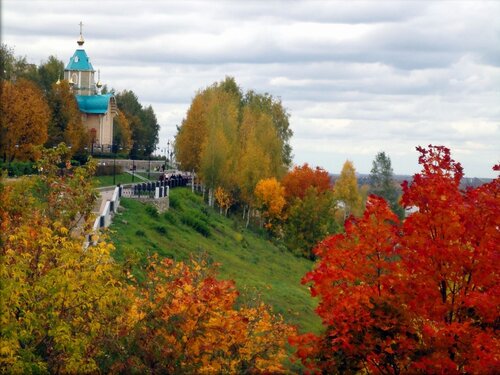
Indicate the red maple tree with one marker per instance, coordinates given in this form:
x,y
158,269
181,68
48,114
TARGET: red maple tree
x,y
418,297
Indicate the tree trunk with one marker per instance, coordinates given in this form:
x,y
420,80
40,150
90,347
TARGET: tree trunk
x,y
192,181
248,218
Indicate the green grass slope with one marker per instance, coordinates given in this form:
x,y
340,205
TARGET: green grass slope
x,y
121,178
190,227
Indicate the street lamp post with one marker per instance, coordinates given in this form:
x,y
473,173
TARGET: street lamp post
x,y
133,169
168,150
115,150
149,166
133,164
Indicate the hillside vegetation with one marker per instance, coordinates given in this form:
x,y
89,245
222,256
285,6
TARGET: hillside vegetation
x,y
190,228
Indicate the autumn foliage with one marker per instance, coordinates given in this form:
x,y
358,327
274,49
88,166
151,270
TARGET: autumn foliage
x,y
417,297
70,309
300,178
270,199
60,302
184,320
24,118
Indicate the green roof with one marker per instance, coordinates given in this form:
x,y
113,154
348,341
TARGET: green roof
x,y
79,61
94,103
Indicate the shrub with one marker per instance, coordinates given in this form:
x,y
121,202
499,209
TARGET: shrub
x,y
161,229
140,233
196,224
19,168
174,202
199,215
170,217
152,211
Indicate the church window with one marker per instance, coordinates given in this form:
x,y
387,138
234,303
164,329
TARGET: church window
x,y
76,59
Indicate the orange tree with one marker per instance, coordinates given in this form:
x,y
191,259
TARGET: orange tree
x,y
300,178
184,320
421,296
24,118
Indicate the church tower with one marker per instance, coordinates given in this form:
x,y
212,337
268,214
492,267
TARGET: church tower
x,y
79,72
98,110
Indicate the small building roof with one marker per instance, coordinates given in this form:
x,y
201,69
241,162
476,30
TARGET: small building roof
x,y
97,104
79,61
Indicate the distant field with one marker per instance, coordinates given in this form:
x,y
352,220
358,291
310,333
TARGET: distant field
x,y
257,265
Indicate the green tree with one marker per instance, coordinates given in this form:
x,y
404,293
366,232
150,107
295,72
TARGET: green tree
x,y
143,123
309,220
151,130
13,68
66,120
382,182
48,73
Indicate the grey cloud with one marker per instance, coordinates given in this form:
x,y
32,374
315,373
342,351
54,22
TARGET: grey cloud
x,y
356,77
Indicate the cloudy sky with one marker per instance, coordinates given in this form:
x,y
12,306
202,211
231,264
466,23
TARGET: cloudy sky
x,y
356,77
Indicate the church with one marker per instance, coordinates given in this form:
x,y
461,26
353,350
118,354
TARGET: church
x,y
98,110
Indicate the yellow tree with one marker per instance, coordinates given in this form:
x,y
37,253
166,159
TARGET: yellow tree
x,y
123,133
61,303
346,190
24,117
260,154
216,161
192,134
270,199
223,199
266,103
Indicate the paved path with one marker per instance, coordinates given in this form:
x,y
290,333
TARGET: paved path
x,y
105,194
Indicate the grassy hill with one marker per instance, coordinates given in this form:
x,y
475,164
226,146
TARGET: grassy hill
x,y
190,227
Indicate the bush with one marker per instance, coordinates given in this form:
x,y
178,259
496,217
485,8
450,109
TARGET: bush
x,y
174,202
161,229
199,215
19,168
170,217
140,233
152,211
196,224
